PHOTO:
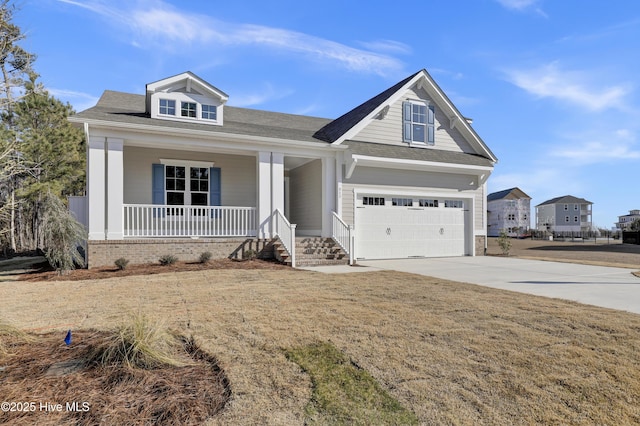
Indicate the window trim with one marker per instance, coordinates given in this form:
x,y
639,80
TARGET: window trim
x,y
408,122
188,165
167,107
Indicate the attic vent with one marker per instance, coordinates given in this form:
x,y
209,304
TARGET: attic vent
x,y
383,113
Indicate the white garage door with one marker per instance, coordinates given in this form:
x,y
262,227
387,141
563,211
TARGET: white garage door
x,y
396,227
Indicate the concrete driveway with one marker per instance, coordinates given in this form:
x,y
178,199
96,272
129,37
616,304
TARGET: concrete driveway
x,y
614,288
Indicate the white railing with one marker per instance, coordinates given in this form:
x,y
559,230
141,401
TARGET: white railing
x,y
343,235
151,221
287,234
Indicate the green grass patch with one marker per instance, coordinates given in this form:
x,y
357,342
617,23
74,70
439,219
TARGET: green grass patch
x,y
343,392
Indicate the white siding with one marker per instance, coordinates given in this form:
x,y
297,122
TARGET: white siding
x,y
238,174
305,189
388,130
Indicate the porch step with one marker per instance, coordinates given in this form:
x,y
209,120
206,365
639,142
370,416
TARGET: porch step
x,y
313,251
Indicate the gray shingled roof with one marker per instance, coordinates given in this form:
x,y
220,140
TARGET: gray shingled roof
x,y
129,108
338,127
565,199
420,154
499,195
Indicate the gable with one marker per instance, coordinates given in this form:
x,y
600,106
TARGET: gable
x,y
185,97
380,120
388,128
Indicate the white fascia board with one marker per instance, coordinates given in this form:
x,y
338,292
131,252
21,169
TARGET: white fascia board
x,y
248,141
459,121
398,163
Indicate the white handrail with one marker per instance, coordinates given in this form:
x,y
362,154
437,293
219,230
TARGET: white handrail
x,y
286,231
157,221
343,235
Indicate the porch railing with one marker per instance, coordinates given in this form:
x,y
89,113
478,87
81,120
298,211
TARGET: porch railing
x,y
151,221
286,231
343,235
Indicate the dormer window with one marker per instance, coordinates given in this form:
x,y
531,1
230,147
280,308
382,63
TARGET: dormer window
x,y
167,107
187,98
188,109
209,112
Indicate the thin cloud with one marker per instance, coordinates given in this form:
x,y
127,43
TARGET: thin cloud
x,y
390,46
267,94
620,145
162,26
575,87
523,5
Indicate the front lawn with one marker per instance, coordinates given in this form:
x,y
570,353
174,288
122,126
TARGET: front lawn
x,y
450,353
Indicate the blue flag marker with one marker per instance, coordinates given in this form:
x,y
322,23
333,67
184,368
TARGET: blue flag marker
x,y
67,339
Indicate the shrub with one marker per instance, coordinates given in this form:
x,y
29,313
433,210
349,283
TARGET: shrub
x,y
62,235
504,242
121,263
249,254
139,343
205,257
168,259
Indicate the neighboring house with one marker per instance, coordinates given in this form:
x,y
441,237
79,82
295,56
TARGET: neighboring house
x,y
564,214
179,171
625,222
508,210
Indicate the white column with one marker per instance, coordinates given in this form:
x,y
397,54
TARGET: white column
x,y
277,181
328,194
96,188
339,161
264,194
115,188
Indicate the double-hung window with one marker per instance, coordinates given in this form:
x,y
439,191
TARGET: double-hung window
x,y
186,186
418,123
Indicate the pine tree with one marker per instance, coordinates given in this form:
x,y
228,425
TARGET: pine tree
x,y
15,64
53,148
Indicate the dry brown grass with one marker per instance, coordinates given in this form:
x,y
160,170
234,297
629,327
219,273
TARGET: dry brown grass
x,y
603,252
46,371
452,353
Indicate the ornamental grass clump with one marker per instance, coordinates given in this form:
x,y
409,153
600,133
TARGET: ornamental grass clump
x,y
205,257
10,333
168,259
121,263
142,344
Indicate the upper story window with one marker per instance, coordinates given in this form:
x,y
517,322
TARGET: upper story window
x,y
167,107
188,109
209,112
418,122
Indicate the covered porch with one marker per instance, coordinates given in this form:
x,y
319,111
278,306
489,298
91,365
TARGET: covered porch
x,y
141,190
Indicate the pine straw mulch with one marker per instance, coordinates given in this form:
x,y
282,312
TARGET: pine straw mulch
x,y
42,370
43,271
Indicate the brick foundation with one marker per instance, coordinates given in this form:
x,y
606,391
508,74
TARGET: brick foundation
x,y
104,253
481,242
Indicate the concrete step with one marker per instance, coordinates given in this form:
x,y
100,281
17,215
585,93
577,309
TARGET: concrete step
x,y
320,262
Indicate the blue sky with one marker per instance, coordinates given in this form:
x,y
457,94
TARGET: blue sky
x,y
552,86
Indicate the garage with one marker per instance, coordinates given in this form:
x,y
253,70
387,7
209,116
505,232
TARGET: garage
x,y
401,226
